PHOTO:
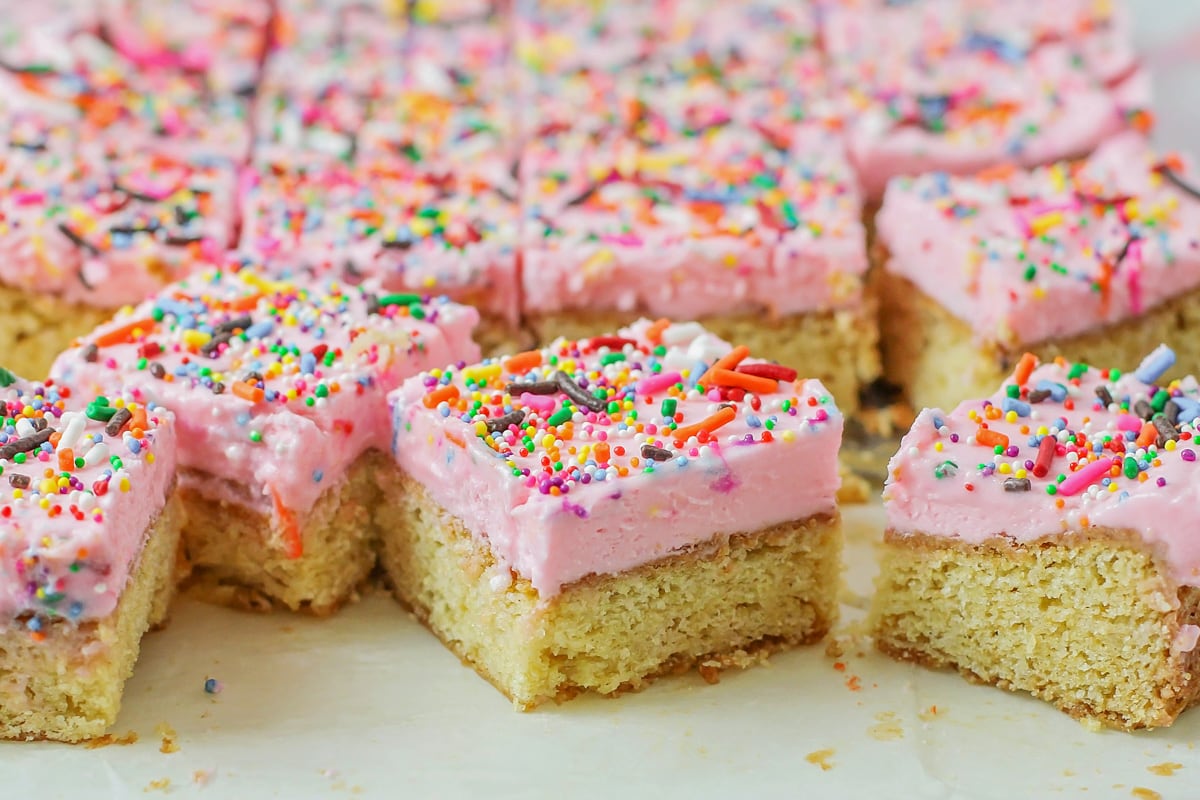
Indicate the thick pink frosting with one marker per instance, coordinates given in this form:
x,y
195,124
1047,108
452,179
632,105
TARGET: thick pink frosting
x,y
696,225
69,545
413,230
1103,467
960,86
325,355
107,229
610,505
1050,252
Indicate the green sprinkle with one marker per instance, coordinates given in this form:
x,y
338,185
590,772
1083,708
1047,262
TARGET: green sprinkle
x,y
611,358
1052,489
321,391
1013,391
399,299
102,413
79,462
1131,467
668,407
1030,273
256,436
19,458
1159,401
613,407
6,378
560,416
1077,371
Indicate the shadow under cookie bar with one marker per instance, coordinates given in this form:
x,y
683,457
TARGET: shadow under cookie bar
x,y
247,557
68,686
724,603
935,356
1088,622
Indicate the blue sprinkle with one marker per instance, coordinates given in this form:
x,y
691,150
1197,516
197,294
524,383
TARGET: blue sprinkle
x,y
1189,409
1057,391
753,421
1154,365
938,422
75,610
318,475
260,329
308,363
212,686
1013,404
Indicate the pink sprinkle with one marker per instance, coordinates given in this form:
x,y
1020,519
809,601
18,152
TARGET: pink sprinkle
x,y
1129,422
658,383
1081,479
541,403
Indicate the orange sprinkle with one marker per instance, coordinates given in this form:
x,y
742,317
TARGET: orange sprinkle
x,y
997,173
137,418
66,459
449,392
654,333
709,424
728,361
602,452
247,391
247,303
751,383
1025,368
523,362
293,544
989,438
124,333
452,437
1148,435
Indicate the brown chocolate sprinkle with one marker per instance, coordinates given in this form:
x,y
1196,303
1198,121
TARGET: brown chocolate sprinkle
x,y
1017,485
237,323
118,421
539,387
1171,412
577,393
76,239
19,481
1104,395
157,369
1038,395
656,453
503,423
1166,431
1143,409
90,353
24,445
213,344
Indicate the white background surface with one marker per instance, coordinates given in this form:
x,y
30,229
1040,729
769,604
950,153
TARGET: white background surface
x,y
370,705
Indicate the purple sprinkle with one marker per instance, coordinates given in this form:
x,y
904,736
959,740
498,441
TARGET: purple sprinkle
x,y
1161,481
954,437
1012,451
1188,455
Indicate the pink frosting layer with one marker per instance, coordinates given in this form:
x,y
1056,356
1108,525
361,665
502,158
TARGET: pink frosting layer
x,y
693,226
560,491
105,229
960,86
414,231
1068,460
69,543
277,381
1030,256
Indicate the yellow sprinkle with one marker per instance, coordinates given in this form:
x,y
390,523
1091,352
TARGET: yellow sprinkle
x,y
1004,468
1021,473
149,458
1170,445
1011,416
482,372
789,436
124,484
196,338
937,446
1043,430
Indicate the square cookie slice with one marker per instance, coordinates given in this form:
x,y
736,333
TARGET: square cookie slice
x,y
1095,261
593,514
1042,539
279,383
89,533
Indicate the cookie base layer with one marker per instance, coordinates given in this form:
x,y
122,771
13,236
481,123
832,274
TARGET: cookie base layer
x,y
497,336
35,328
238,558
68,686
716,606
935,358
838,347
1086,624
